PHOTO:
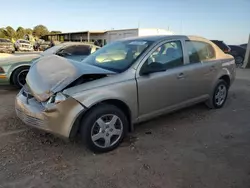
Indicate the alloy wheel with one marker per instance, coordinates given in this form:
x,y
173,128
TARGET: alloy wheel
x,y
220,95
106,131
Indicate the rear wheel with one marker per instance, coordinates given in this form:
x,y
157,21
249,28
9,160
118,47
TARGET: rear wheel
x,y
103,128
219,95
19,76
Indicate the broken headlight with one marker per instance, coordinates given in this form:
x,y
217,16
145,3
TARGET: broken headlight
x,y
57,98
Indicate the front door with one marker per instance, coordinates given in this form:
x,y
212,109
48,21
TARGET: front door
x,y
160,90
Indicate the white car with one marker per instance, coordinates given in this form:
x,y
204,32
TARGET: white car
x,y
23,45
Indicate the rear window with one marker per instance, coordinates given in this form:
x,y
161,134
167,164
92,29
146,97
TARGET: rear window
x,y
199,51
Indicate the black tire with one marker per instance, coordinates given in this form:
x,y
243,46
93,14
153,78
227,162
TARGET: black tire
x,y
16,79
16,48
88,124
240,60
212,102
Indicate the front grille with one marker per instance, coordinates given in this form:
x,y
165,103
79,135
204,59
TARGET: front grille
x,y
29,119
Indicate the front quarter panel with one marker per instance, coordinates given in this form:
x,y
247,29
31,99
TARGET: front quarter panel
x,y
122,90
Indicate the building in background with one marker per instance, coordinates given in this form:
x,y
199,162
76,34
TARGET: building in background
x,y
101,38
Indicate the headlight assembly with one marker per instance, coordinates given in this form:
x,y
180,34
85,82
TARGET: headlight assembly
x,y
57,98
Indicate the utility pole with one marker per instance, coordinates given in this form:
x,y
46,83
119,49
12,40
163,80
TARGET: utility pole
x,y
181,28
246,63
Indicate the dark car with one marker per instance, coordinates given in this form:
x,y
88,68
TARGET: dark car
x,y
225,48
6,46
239,54
244,46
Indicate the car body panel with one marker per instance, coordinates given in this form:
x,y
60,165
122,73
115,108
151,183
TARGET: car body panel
x,y
237,51
10,64
148,96
23,45
58,119
6,46
53,73
108,88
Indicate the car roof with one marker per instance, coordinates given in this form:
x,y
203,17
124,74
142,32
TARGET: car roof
x,y
155,38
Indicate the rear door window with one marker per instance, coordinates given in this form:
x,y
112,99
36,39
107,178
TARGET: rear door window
x,y
199,51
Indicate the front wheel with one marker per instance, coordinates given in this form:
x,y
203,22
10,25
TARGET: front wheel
x,y
219,95
103,128
19,76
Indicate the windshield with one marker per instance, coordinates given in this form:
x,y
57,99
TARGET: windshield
x,y
52,50
118,56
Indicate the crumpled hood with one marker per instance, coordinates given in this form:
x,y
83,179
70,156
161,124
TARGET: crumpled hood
x,y
51,74
16,59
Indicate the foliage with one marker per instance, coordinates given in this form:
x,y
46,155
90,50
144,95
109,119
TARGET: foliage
x,y
21,32
28,31
40,30
9,32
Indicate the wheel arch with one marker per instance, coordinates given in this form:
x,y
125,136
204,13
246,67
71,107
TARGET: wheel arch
x,y
116,102
14,69
226,78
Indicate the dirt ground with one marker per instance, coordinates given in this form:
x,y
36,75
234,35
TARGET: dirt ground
x,y
192,148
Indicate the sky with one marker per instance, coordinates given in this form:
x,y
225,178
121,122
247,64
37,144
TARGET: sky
x,y
227,20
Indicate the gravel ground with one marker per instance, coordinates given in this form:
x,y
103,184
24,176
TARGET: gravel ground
x,y
195,147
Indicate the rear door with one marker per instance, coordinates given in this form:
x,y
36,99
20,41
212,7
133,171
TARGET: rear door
x,y
203,66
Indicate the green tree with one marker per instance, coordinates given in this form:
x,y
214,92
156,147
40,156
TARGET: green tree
x,y
55,32
20,32
28,31
9,32
2,33
40,30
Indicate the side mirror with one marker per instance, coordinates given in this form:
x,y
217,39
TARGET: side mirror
x,y
152,68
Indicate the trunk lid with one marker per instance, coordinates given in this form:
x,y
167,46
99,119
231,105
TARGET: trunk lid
x,y
51,74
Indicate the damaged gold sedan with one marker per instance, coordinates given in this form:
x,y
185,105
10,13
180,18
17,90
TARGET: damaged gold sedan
x,y
123,83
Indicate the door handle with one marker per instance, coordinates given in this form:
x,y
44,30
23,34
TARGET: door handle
x,y
180,76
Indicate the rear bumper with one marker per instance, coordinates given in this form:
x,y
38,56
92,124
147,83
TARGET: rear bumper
x,y
58,121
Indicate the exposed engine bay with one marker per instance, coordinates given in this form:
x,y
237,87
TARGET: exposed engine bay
x,y
86,78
